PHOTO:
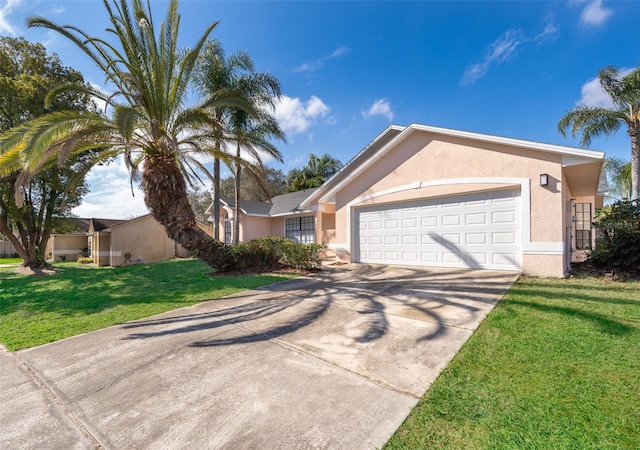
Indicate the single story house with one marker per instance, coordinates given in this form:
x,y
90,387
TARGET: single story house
x,y
114,242
428,196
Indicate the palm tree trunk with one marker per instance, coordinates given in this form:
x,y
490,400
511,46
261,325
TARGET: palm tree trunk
x,y
236,208
634,134
165,194
216,199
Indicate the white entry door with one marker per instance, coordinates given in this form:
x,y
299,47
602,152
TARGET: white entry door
x,y
478,230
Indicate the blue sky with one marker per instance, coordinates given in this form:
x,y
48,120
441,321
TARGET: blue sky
x,y
350,69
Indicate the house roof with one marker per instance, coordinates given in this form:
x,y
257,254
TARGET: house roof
x,y
395,134
103,224
250,207
280,205
289,203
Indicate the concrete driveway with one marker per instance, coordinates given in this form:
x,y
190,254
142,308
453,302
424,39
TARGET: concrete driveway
x,y
333,360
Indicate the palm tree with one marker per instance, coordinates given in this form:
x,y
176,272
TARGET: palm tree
x,y
318,170
591,122
160,139
253,131
247,129
619,177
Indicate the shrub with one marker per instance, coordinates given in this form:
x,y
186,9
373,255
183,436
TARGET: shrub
x,y
84,260
271,252
618,245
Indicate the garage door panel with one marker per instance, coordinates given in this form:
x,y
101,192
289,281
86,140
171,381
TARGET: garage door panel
x,y
476,238
429,258
476,219
451,220
410,223
449,257
477,260
503,238
478,230
503,217
429,222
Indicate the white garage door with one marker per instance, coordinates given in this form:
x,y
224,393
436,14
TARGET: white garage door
x,y
480,230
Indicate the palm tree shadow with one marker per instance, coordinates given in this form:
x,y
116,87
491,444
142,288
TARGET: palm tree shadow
x,y
296,304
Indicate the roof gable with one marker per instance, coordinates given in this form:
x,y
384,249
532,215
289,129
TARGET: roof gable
x,y
103,224
280,205
393,135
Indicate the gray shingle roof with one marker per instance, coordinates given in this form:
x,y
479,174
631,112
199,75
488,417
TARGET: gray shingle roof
x,y
281,204
103,224
289,203
249,206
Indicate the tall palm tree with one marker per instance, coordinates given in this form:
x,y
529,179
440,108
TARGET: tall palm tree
x,y
215,73
248,129
619,177
254,131
591,122
160,139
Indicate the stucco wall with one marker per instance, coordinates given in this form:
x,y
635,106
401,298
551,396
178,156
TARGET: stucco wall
x,y
100,248
254,227
277,226
543,265
144,238
68,246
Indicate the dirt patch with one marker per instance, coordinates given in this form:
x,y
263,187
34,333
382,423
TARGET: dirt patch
x,y
36,272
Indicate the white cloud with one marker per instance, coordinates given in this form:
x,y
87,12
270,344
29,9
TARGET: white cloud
x,y
296,116
381,107
318,63
5,10
504,49
110,194
593,95
595,13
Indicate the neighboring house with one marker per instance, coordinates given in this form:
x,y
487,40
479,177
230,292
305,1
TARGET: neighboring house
x,y
112,242
428,196
7,250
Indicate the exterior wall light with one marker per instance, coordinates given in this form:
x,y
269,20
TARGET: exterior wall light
x,y
544,179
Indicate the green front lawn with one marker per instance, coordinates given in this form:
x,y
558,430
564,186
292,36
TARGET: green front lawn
x,y
10,261
556,365
37,310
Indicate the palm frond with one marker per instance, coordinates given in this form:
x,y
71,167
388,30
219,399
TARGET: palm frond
x,y
590,122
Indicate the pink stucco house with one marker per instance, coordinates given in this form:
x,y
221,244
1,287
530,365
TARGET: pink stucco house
x,y
427,196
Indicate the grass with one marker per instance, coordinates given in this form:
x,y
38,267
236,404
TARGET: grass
x,y
37,310
10,260
556,365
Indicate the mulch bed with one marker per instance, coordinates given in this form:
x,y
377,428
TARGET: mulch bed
x,y
587,269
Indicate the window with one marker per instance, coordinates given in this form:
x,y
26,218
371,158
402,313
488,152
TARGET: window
x,y
301,229
228,236
583,226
